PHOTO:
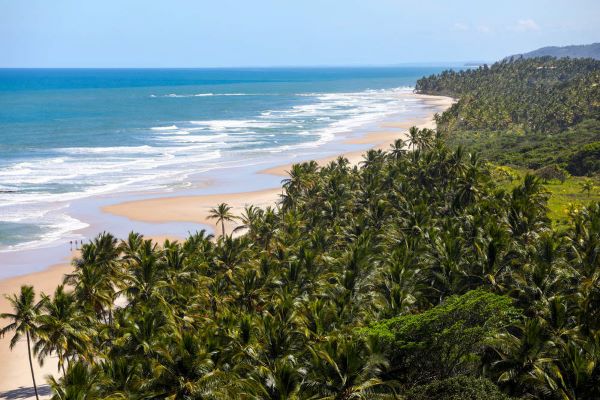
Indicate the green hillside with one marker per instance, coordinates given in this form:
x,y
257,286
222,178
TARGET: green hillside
x,y
573,51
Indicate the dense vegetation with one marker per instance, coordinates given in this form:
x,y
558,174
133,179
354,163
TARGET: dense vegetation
x,y
574,149
412,276
528,112
540,94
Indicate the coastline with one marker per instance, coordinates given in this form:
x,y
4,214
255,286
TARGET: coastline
x,y
197,208
14,369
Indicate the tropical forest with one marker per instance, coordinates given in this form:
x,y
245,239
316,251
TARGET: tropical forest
x,y
461,263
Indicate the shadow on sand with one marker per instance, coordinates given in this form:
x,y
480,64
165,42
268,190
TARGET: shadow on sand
x,y
25,392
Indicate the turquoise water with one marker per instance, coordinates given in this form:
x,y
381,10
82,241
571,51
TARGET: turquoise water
x,y
71,134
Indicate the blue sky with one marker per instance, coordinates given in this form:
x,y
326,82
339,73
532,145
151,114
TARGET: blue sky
x,y
216,33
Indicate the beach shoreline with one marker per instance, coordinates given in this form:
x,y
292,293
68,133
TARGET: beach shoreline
x,y
14,369
196,208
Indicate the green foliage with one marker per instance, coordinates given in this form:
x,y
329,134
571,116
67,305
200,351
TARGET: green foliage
x,y
566,198
447,339
457,388
552,172
424,238
504,174
539,94
567,149
221,213
529,113
587,186
586,161
23,322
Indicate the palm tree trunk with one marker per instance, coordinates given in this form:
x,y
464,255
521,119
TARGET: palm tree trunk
x,y
31,366
223,227
62,364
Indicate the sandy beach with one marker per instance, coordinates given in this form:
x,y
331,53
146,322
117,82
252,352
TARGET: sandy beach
x,y
15,378
196,208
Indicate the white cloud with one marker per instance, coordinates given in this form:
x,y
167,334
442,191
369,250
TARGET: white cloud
x,y
459,26
524,25
484,29
462,27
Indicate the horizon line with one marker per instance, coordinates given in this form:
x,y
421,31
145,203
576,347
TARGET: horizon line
x,y
308,66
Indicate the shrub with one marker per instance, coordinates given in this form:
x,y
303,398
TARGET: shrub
x,y
445,340
551,172
586,161
504,173
457,388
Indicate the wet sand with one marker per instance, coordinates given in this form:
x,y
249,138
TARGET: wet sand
x,y
197,208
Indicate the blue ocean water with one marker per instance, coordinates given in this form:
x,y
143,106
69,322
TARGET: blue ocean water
x,y
67,134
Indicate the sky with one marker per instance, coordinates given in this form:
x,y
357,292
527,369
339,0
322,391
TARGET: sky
x,y
252,33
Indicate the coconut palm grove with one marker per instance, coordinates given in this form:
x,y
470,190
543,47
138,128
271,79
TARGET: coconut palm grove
x,y
418,274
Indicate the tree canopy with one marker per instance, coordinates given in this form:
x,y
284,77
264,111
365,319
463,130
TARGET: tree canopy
x,y
525,112
467,281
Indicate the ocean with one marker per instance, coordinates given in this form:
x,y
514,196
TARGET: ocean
x,y
70,134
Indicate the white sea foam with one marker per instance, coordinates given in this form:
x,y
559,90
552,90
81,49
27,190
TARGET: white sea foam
x,y
57,226
235,124
193,138
176,95
109,150
177,149
174,132
164,128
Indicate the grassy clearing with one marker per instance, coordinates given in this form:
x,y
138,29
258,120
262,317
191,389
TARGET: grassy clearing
x,y
565,197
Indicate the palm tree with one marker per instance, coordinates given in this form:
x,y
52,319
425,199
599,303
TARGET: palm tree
x,y
587,186
345,368
79,383
221,213
523,359
279,380
413,136
425,138
397,149
145,273
123,376
25,312
60,328
187,370
250,218
92,287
